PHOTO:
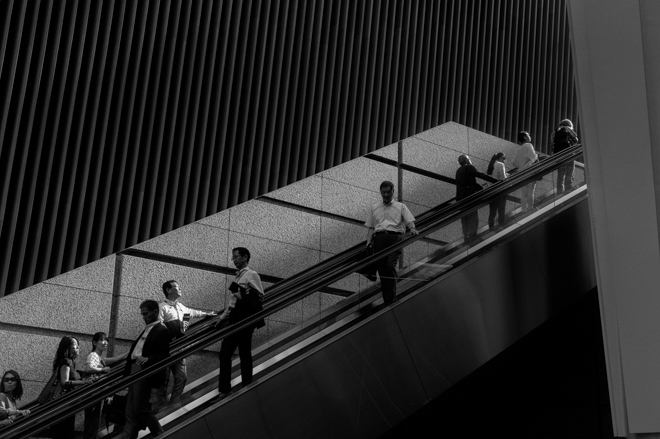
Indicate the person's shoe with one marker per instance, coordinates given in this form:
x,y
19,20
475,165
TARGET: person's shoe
x,y
220,397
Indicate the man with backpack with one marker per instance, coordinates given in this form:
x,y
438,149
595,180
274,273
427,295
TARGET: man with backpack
x,y
562,139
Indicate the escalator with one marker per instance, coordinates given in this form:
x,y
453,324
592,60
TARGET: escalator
x,y
358,368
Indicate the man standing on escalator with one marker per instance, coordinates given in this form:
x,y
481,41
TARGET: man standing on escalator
x,y
387,222
466,185
247,293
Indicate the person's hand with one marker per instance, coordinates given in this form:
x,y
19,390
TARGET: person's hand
x,y
141,360
24,412
414,232
221,323
6,422
106,369
370,244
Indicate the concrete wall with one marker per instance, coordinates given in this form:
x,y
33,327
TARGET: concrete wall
x,y
287,231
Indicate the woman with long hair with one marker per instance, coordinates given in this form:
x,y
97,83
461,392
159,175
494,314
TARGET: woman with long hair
x,y
95,365
11,390
497,170
65,365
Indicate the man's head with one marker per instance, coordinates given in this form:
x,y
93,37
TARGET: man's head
x,y
240,256
149,311
524,137
172,290
464,159
387,191
566,123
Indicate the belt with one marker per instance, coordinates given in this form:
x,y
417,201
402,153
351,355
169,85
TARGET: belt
x,y
387,232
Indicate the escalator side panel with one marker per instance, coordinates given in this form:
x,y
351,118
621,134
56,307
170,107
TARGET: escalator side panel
x,y
558,261
456,325
350,388
362,382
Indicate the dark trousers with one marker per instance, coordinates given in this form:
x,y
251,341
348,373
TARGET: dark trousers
x,y
141,408
470,224
243,341
496,209
565,177
387,266
92,421
64,429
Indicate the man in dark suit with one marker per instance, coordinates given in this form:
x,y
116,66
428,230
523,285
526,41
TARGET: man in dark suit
x,y
151,346
466,185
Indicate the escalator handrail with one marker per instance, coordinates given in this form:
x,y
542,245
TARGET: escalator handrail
x,y
308,282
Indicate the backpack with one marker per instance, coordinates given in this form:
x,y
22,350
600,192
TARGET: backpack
x,y
564,138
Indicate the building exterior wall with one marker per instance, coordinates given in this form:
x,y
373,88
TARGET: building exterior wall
x,y
113,112
617,69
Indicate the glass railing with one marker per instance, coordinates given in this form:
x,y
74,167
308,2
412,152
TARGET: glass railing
x,y
440,245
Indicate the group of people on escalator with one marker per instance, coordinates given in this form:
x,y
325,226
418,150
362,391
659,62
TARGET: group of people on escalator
x,y
562,138
387,222
164,321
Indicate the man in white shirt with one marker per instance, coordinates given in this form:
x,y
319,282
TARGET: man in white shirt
x,y
387,222
176,317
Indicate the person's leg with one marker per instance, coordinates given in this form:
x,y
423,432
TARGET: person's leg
x,y
149,408
464,225
387,266
131,427
227,349
245,354
501,211
180,377
473,224
493,207
524,198
568,180
92,421
561,175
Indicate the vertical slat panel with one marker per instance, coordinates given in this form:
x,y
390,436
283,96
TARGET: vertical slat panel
x,y
14,177
120,121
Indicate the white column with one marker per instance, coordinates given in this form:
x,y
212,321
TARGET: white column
x,y
616,51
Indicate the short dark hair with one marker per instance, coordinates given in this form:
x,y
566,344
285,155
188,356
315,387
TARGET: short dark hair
x,y
151,305
462,159
167,285
97,338
18,390
387,183
242,251
521,136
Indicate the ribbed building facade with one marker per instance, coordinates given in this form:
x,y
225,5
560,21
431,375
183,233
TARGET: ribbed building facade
x,y
122,120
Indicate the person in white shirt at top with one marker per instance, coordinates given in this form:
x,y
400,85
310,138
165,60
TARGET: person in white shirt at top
x,y
176,316
497,170
524,158
387,222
